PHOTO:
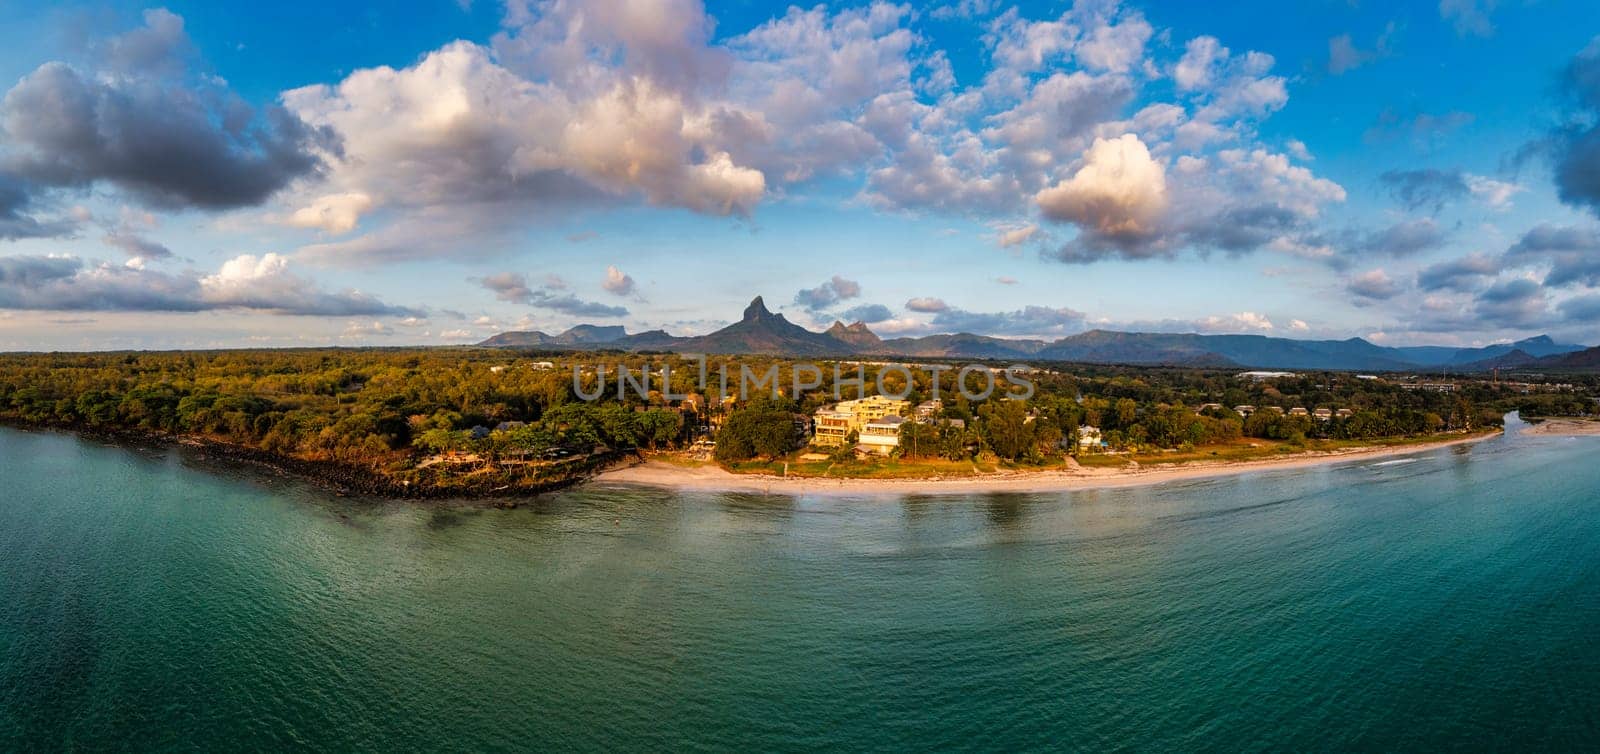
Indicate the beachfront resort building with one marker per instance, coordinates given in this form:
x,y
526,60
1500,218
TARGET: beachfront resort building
x,y
834,424
1089,438
880,436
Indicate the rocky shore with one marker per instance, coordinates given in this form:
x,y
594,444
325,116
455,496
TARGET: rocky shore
x,y
345,479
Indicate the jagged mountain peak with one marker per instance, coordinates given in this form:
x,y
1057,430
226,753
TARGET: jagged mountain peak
x,y
757,311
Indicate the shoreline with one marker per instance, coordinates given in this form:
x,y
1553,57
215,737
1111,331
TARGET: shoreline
x,y
712,478
1562,427
346,480
334,477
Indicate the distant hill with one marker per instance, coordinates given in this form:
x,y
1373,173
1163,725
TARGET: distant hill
x,y
581,335
761,331
856,334
1587,359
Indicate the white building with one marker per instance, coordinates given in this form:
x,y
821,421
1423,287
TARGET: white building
x,y
881,436
1264,376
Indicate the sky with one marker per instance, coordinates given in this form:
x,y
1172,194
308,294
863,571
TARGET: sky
x,y
197,175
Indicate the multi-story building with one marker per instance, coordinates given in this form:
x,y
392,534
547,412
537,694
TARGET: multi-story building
x,y
835,423
881,436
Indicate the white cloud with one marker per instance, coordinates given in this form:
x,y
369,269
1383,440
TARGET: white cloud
x,y
1494,193
617,281
246,282
1373,285
1196,68
1013,236
1120,192
335,214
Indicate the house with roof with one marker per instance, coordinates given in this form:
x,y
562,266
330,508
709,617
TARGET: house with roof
x,y
880,436
832,425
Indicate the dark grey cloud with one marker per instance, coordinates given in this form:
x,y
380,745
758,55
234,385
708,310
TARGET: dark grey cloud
x,y
513,287
833,291
166,139
1574,147
16,219
1518,302
46,283
1464,274
1573,254
1373,285
1402,239
135,245
1029,320
1244,229
1581,309
868,313
1427,189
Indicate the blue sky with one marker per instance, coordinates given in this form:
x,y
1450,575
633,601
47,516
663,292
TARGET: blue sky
x,y
195,175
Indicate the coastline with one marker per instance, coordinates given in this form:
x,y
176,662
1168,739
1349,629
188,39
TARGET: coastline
x,y
340,479
712,478
1564,427
634,471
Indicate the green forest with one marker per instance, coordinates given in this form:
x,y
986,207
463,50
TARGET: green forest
x,y
480,418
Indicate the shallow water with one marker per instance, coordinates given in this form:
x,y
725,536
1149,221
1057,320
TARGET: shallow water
x,y
148,602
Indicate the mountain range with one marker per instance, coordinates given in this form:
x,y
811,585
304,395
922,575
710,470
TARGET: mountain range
x,y
760,331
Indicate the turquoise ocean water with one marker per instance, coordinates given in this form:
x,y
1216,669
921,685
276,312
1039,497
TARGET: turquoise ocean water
x,y
1448,600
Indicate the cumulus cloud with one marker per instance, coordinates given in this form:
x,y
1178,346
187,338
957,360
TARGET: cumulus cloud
x,y
164,139
1584,309
1042,321
1463,274
831,292
17,218
1197,68
1574,147
617,282
1517,302
1117,196
247,282
136,246
1571,253
927,305
1431,188
1013,236
512,287
335,214
1234,201
1401,239
868,313
459,132
1373,285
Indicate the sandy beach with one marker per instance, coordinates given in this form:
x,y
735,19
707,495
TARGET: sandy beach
x,y
1565,427
709,477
